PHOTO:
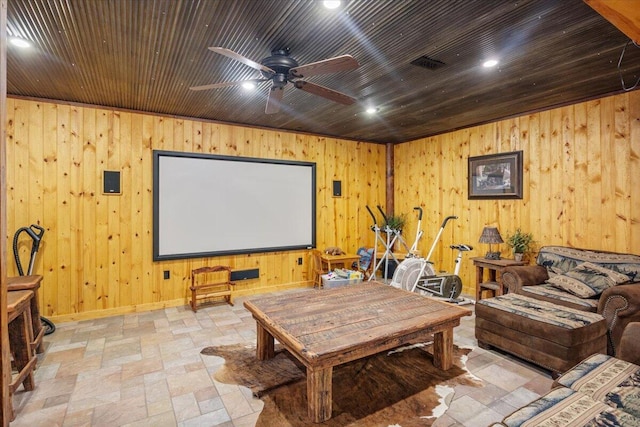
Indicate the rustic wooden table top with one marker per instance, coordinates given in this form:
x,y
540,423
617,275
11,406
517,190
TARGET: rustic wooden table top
x,y
326,327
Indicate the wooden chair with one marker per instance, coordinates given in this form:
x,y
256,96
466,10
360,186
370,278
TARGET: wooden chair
x,y
317,268
211,282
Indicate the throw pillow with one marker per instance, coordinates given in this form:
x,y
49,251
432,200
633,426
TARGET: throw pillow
x,y
587,280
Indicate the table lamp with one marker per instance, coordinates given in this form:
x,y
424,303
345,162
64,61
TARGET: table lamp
x,y
491,235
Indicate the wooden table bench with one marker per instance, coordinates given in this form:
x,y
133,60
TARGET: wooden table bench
x,y
31,283
21,341
327,328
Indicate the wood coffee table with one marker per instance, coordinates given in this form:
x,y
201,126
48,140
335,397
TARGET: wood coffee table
x,y
326,328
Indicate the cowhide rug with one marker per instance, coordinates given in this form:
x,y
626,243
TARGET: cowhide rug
x,y
400,387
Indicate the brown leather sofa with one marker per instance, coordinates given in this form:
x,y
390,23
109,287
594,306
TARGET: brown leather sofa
x,y
618,304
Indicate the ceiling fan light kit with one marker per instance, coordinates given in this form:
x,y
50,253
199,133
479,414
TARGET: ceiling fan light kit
x,y
282,69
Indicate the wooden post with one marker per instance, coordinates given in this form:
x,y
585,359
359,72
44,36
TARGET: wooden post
x,y
5,358
390,197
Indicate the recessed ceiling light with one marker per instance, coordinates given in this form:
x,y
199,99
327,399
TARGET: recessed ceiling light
x,y
20,42
332,4
490,63
248,85
371,110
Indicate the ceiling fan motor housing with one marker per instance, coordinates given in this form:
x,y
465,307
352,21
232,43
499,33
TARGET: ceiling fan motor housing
x,y
281,63
279,80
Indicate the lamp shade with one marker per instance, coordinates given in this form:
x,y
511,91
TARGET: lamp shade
x,y
490,235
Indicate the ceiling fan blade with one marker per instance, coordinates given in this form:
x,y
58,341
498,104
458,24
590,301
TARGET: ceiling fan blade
x,y
225,84
325,92
273,101
246,61
331,65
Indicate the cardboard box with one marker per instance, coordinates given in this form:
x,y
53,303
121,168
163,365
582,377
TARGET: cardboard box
x,y
335,282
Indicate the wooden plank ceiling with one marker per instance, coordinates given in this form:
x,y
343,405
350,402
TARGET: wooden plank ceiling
x,y
145,54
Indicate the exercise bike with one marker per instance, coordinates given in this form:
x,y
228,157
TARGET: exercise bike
x,y
418,274
444,285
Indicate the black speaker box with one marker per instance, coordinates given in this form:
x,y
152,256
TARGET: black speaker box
x,y
111,182
337,188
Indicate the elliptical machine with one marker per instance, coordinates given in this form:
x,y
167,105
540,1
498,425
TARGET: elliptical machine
x,y
35,232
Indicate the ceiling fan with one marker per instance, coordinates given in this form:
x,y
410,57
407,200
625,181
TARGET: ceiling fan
x,y
282,69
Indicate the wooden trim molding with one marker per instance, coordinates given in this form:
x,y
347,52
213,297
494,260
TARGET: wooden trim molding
x,y
624,14
5,359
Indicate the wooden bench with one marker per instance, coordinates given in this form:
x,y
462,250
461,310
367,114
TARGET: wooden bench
x,y
211,282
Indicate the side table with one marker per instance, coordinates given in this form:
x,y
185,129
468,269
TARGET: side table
x,y
493,267
332,261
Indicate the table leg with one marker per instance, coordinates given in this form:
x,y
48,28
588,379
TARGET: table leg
x,y
479,278
319,394
500,290
443,349
264,343
20,339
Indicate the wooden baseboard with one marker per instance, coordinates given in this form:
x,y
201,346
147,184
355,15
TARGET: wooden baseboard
x,y
140,308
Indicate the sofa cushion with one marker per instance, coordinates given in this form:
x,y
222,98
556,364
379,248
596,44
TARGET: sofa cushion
x,y
568,408
560,259
550,293
608,380
587,280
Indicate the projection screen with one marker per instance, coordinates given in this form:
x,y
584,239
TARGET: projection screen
x,y
209,205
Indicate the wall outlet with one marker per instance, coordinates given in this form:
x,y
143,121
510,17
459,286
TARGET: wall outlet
x,y
166,274
300,261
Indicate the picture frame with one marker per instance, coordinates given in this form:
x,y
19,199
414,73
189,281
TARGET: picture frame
x,y
496,176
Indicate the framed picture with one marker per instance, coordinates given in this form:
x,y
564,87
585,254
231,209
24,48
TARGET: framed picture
x,y
496,176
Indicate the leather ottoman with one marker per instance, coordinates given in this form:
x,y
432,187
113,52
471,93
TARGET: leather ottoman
x,y
546,334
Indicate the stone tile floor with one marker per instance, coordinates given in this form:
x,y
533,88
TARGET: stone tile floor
x,y
145,369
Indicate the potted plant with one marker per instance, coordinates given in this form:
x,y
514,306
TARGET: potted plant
x,y
520,242
395,222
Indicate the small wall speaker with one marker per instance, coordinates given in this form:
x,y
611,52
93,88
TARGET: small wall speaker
x,y
337,188
111,182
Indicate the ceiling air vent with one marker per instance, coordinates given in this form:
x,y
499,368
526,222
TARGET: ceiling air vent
x,y
428,63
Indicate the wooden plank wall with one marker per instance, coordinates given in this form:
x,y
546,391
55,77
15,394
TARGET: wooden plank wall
x,y
96,255
581,181
581,188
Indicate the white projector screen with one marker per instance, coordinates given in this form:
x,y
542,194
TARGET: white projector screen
x,y
208,205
